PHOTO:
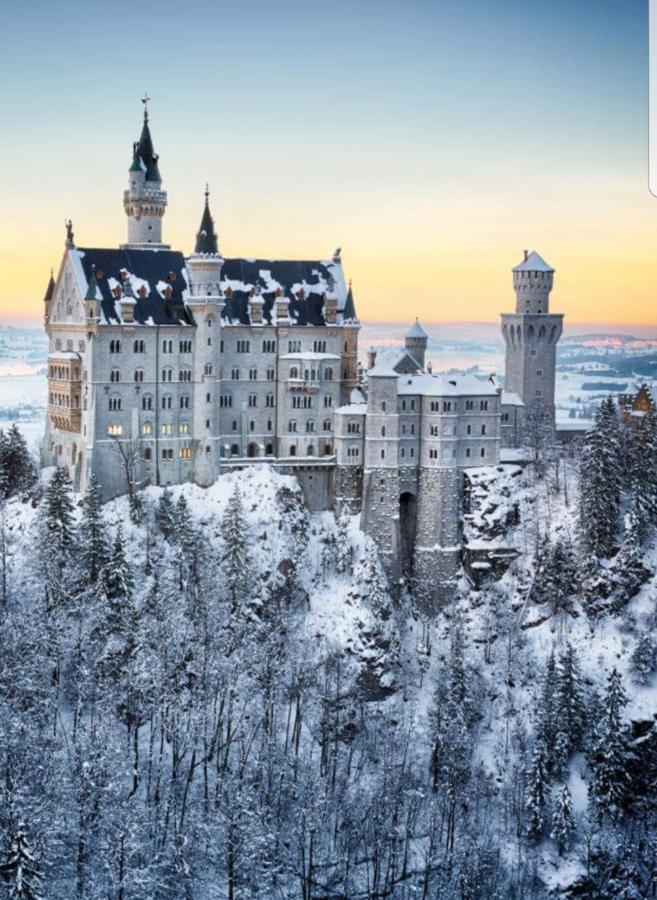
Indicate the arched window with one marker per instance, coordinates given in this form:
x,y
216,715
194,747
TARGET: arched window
x,y
139,374
310,451
293,450
328,374
115,376
328,450
269,450
114,404
147,402
148,454
147,428
139,347
115,346
166,401
234,450
294,372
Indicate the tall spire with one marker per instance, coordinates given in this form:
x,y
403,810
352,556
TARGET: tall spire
x,y
349,311
206,237
50,290
144,202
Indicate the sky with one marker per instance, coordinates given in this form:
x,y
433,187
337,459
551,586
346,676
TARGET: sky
x,y
433,140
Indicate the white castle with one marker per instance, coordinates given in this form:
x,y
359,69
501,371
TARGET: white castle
x,y
165,369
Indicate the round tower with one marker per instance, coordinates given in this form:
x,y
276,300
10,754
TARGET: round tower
x,y
415,341
144,201
532,282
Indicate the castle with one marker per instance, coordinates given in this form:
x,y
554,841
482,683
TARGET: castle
x,y
164,369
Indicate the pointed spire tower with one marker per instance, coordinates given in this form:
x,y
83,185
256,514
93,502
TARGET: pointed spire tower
x,y
206,237
204,265
144,201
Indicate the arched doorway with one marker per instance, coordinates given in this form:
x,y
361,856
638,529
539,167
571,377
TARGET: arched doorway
x,y
252,450
407,514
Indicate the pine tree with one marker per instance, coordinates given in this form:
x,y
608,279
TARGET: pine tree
x,y
641,456
343,548
571,711
628,566
93,542
547,725
165,515
600,482
58,509
644,658
563,823
235,560
536,791
21,870
608,758
17,469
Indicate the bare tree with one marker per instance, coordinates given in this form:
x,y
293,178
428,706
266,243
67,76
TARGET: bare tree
x,y
132,457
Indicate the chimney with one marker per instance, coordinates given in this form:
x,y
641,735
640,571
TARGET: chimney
x,y
429,367
330,309
256,304
526,252
371,358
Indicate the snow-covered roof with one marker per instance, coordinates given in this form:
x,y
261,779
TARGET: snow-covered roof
x,y
310,355
64,354
447,385
382,369
416,331
509,398
353,409
357,396
533,263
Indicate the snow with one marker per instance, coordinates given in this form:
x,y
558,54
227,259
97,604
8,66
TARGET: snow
x,y
533,263
416,331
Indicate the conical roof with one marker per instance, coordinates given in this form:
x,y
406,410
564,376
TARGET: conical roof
x,y
206,237
533,262
416,331
349,311
144,154
50,290
92,287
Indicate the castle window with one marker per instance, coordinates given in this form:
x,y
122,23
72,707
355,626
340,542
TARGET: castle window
x,y
221,346
147,428
208,369
185,375
269,450
148,454
185,346
235,374
167,453
412,404
433,454
328,450
251,425
139,347
383,406
234,425
271,374
294,347
115,376
243,346
310,426
253,374
167,428
539,392
328,401
483,404
147,402
207,423
403,453
383,454
532,352
234,450
269,425
293,450
319,346
208,398
253,400
328,374
114,404
469,404
310,451
225,401
539,372
433,430
139,375
166,401
294,372
269,346
505,417
185,453
167,346
353,427
292,426
435,406
184,401
167,374
383,431
467,452
483,429
327,425
482,452
269,400
115,430
447,405
58,344
468,429
115,346
412,451
184,428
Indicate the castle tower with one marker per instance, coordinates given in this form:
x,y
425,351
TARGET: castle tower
x,y
415,341
144,201
206,303
531,334
380,504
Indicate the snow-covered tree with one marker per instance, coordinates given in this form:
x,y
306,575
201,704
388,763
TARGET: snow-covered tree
x,y
644,658
58,512
165,514
93,540
536,791
563,823
235,560
17,469
343,548
608,787
600,480
21,870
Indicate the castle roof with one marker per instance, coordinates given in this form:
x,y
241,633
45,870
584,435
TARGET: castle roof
x,y
349,311
156,278
206,237
50,290
447,385
303,282
416,331
533,262
144,155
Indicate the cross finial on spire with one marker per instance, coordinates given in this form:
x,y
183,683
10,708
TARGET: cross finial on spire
x,y
207,192
145,99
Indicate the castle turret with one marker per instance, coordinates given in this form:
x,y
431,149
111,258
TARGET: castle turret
x,y
144,201
531,335
415,341
206,302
